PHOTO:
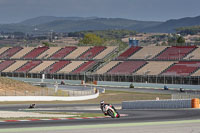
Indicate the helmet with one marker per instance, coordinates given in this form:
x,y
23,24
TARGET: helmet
x,y
102,102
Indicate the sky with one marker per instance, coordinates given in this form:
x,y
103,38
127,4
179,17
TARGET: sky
x,y
13,11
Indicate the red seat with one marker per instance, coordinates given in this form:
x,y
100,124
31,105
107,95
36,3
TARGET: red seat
x,y
85,66
28,66
56,66
126,67
35,52
10,52
63,52
92,52
175,52
5,64
182,68
128,52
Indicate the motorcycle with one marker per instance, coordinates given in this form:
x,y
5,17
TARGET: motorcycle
x,y
111,111
32,106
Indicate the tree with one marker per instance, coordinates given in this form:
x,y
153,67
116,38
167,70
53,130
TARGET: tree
x,y
93,39
180,40
46,44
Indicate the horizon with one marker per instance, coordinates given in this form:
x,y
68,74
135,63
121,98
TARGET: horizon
x,y
97,18
142,10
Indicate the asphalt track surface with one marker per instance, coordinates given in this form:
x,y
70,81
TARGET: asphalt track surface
x,y
133,116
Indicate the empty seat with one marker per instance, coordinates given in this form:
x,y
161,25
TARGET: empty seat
x,y
35,52
175,52
5,64
107,67
127,67
28,66
72,66
148,52
46,54
92,52
182,68
15,66
22,52
77,52
154,67
3,49
106,52
56,67
63,52
10,52
197,73
84,67
194,55
130,51
42,66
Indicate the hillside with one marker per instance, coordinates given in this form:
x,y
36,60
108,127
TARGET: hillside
x,y
47,19
46,24
171,25
11,87
72,24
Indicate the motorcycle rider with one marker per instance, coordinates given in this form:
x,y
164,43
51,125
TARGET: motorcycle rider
x,y
32,105
102,106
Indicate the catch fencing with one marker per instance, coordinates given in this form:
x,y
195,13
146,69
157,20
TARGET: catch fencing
x,y
45,92
157,104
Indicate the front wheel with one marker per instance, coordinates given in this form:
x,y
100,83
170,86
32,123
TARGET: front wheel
x,y
118,115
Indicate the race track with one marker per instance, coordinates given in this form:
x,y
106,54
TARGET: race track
x,y
133,116
131,120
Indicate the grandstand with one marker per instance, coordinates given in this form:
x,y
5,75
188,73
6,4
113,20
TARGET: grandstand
x,y
107,67
40,68
3,49
15,66
84,67
35,53
195,55
154,67
56,67
46,54
148,52
160,64
92,52
182,68
197,73
106,52
22,52
28,66
63,52
130,51
71,67
6,63
10,52
175,52
126,67
77,52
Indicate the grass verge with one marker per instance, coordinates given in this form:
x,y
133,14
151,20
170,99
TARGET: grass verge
x,y
110,96
75,115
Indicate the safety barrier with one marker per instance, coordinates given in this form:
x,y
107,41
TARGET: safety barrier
x,y
47,98
195,103
161,104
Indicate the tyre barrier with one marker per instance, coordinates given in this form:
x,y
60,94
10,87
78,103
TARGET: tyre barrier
x,y
195,103
161,104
